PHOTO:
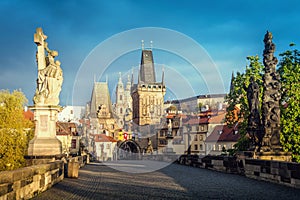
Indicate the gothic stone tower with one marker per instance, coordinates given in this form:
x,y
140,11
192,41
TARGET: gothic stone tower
x,y
123,104
147,94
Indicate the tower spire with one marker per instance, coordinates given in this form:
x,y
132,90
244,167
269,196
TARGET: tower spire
x,y
163,75
142,44
132,77
231,83
120,77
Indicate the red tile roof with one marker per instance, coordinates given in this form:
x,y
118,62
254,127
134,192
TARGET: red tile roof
x,y
103,138
218,118
28,114
195,120
223,133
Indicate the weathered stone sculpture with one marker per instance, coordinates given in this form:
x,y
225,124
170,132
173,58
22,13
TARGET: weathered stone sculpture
x,y
149,146
50,75
265,134
271,98
254,121
46,99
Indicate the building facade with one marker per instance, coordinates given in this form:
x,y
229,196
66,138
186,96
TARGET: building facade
x,y
101,114
147,94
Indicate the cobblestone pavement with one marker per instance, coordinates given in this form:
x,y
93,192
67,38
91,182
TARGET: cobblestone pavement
x,y
98,181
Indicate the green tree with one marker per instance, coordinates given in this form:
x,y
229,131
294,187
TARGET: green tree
x,y
237,97
289,69
15,130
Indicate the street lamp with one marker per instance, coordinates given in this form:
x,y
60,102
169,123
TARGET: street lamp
x,y
189,128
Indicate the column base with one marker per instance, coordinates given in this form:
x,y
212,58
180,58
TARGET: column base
x,y
44,146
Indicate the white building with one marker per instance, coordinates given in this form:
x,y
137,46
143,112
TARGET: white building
x,y
71,114
105,147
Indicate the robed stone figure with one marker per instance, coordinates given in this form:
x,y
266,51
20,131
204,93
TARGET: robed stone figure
x,y
50,75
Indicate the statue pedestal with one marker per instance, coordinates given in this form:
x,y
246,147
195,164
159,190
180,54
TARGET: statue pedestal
x,y
272,155
169,148
45,144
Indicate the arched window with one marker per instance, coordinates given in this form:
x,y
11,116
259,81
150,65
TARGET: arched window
x,y
121,97
121,110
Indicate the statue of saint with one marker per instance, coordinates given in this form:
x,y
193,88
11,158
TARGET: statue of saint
x,y
254,121
253,96
149,146
169,127
50,75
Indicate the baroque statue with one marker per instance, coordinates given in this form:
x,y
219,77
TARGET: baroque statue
x,y
254,121
271,98
50,75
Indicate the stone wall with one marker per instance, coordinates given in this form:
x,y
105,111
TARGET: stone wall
x,y
285,173
27,182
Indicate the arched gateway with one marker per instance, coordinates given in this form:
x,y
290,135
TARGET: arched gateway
x,y
129,149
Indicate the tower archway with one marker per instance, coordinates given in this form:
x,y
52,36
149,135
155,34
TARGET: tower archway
x,y
129,150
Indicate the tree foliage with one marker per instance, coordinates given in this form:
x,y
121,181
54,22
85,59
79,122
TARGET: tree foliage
x,y
15,130
289,69
237,110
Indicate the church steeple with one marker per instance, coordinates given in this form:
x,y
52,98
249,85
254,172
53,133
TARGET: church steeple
x,y
120,78
232,83
119,90
128,84
163,76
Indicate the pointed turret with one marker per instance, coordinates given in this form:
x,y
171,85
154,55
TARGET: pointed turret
x,y
163,76
128,84
119,90
232,83
147,72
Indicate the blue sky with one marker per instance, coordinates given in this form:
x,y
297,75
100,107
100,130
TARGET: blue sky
x,y
228,31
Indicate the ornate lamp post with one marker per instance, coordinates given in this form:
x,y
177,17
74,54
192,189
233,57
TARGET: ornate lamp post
x,y
189,128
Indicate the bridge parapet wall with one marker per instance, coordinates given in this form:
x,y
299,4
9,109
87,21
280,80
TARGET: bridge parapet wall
x,y
27,182
285,173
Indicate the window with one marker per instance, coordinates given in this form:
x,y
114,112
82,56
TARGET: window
x,y
196,147
219,147
108,146
201,137
101,126
196,138
162,142
201,147
202,128
214,147
71,112
121,110
161,133
121,97
73,143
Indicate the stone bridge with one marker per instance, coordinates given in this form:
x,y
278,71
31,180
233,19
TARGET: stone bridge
x,y
174,181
